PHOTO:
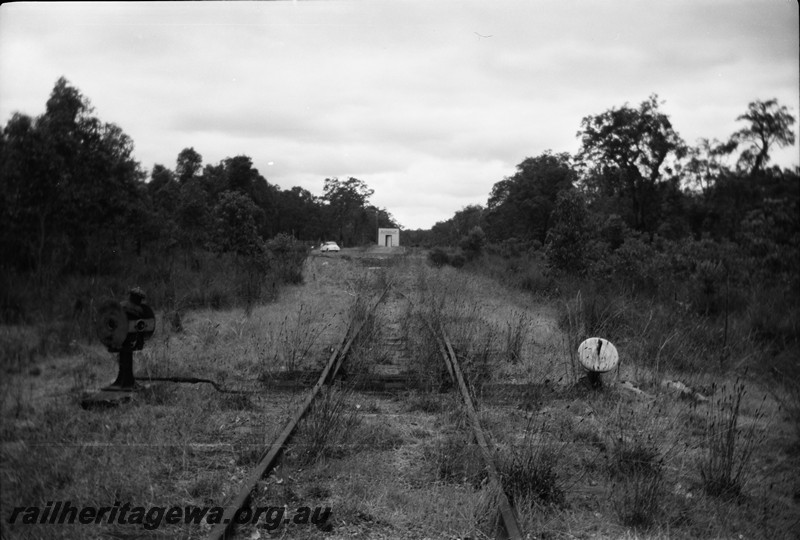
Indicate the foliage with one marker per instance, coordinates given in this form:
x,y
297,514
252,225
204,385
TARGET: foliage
x,y
626,150
74,202
440,257
770,125
235,217
71,190
521,205
451,231
353,220
288,254
569,234
472,243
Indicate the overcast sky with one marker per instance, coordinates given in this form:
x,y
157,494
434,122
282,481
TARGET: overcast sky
x,y
428,102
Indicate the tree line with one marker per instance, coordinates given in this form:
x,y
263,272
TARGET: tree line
x,y
635,179
74,200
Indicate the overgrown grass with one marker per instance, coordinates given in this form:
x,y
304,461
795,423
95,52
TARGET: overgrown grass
x,y
625,466
516,336
727,462
529,470
457,459
63,310
295,338
636,468
326,430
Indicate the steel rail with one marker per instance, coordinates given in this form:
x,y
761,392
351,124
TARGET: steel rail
x,y
271,458
509,518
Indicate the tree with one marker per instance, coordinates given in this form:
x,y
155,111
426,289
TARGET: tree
x,y
346,203
74,183
188,165
770,125
569,234
299,214
472,243
705,163
521,206
451,231
29,200
626,151
235,218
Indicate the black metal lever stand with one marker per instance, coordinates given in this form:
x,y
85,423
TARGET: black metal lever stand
x,y
120,391
125,380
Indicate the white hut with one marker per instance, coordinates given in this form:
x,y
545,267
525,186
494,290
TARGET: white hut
x,y
388,237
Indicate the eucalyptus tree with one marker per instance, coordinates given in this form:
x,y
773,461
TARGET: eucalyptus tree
x,y
626,153
73,185
521,206
770,125
346,201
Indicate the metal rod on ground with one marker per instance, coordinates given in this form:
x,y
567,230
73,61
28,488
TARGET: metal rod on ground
x,y
506,511
268,461
195,380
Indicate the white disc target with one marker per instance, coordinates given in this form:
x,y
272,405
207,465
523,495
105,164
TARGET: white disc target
x,y
598,355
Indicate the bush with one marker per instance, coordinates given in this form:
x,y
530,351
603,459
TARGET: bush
x,y
472,243
288,256
457,260
438,257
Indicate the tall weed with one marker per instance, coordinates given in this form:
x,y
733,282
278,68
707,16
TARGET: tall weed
x,y
326,430
639,447
725,467
529,470
516,335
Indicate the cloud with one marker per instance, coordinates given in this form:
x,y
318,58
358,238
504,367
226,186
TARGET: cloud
x,y
405,95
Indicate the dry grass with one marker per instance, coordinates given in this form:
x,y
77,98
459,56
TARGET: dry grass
x,y
404,467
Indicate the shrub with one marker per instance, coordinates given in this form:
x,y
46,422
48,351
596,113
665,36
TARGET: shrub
x,y
472,243
438,257
457,260
288,255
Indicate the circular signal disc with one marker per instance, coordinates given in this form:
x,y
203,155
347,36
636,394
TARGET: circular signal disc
x,y
112,324
598,355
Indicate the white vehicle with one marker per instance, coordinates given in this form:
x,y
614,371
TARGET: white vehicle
x,y
329,246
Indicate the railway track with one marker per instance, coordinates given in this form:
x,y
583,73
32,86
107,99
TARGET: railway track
x,y
271,457
510,524
385,369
